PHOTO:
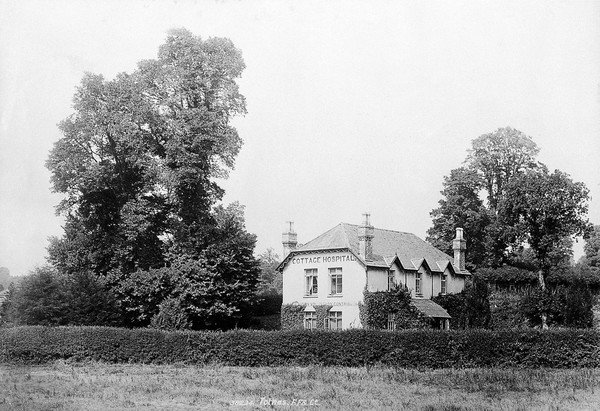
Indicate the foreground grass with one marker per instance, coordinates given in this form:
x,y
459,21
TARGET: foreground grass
x,y
98,386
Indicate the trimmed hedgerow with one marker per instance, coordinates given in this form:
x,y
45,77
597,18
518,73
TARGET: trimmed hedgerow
x,y
564,348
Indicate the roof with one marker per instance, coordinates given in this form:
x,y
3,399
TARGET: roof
x,y
388,246
429,308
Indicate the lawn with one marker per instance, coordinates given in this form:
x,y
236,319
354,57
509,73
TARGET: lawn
x,y
98,386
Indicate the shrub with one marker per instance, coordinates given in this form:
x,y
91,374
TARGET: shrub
x,y
470,308
565,348
506,312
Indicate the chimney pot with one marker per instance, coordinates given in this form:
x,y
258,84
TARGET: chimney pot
x,y
365,238
289,239
459,245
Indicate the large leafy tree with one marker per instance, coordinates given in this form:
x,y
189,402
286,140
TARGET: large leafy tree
x,y
461,207
545,210
494,160
500,156
138,157
137,164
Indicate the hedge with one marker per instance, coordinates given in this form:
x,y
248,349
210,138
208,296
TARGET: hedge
x,y
561,348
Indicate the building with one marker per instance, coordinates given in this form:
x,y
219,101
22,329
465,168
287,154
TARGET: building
x,y
334,269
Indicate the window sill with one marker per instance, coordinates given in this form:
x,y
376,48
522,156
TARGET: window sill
x,y
311,296
335,296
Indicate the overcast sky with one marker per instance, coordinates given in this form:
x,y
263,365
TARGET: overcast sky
x,y
353,106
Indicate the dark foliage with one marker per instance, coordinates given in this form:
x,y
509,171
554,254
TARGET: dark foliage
x,y
470,308
48,297
378,304
353,348
568,306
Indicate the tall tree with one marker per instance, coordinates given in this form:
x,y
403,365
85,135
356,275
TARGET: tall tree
x,y
548,209
138,157
137,164
498,157
494,160
461,207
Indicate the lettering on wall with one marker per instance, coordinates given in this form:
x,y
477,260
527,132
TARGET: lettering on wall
x,y
323,259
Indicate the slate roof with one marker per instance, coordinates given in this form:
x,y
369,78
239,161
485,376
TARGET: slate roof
x,y
429,308
388,245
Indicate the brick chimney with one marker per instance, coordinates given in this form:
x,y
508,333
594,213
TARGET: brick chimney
x,y
289,239
365,238
459,245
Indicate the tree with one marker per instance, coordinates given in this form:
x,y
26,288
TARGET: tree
x,y
214,289
48,297
39,299
461,207
592,247
138,157
548,208
271,280
494,160
500,156
137,164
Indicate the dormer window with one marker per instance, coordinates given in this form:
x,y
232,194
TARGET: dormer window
x,y
443,284
391,280
418,290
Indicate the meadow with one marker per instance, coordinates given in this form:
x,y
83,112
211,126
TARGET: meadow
x,y
65,385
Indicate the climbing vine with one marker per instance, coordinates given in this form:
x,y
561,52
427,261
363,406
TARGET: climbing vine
x,y
378,304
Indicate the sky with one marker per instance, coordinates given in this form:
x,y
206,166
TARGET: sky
x,y
353,106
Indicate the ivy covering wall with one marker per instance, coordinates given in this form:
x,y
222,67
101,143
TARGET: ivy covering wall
x,y
378,304
292,316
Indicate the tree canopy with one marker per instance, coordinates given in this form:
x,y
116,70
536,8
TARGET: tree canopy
x,y
545,210
520,193
137,165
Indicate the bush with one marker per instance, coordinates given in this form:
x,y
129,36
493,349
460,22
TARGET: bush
x,y
566,348
470,308
506,311
570,306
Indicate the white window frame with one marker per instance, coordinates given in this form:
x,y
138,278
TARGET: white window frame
x,y
391,276
333,321
335,280
310,320
418,284
311,287
391,322
443,284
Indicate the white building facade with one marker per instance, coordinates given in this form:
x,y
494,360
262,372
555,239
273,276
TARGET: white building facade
x,y
334,269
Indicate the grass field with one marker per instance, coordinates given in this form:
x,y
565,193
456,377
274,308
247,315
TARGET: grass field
x,y
97,386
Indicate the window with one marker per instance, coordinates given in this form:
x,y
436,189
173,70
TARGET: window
x,y
391,322
310,320
334,321
443,284
391,279
311,281
418,283
336,281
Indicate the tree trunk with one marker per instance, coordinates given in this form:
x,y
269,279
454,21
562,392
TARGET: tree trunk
x,y
544,316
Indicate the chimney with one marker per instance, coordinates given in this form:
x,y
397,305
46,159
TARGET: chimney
x,y
290,239
459,245
365,238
